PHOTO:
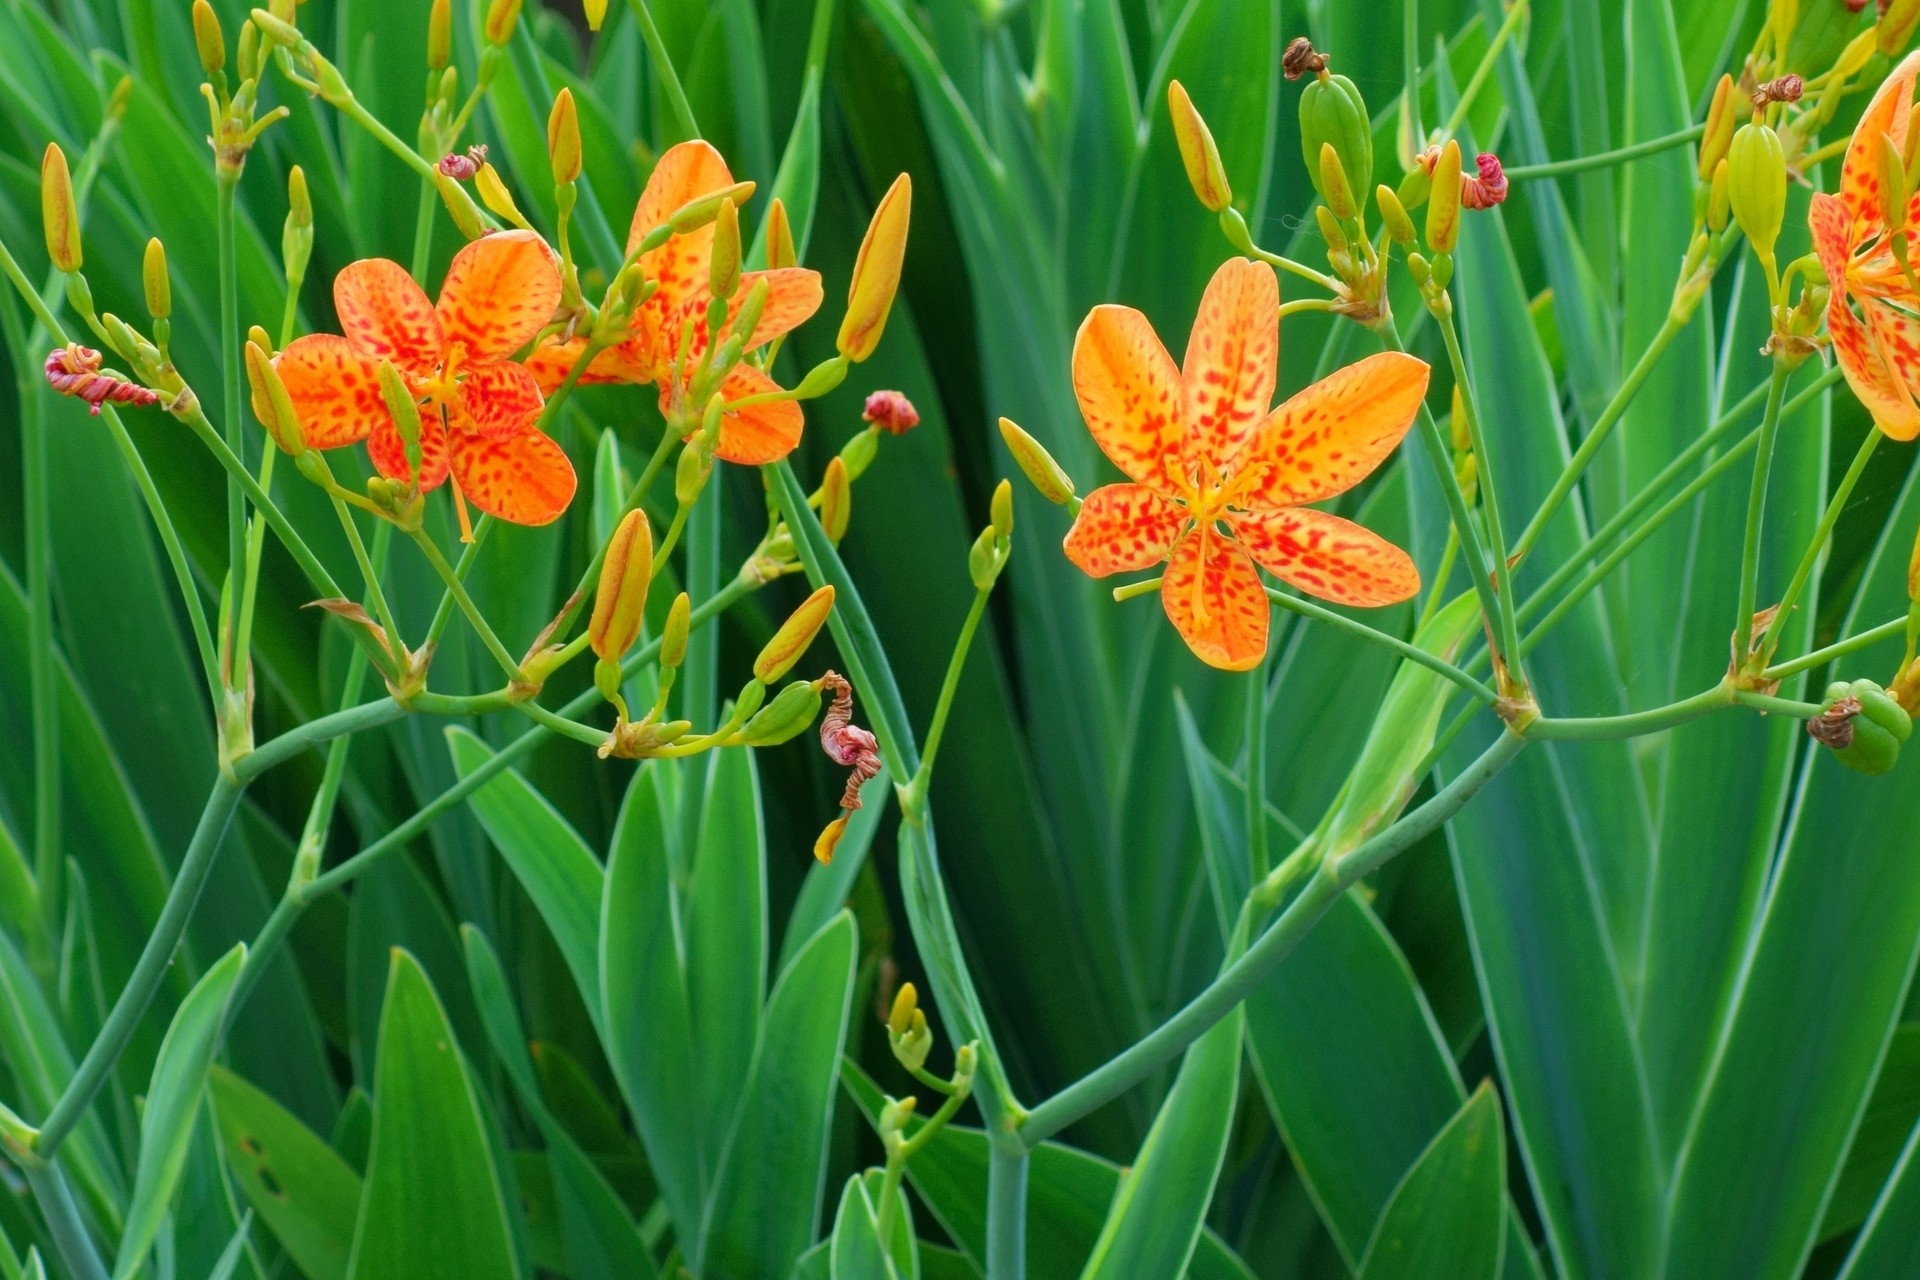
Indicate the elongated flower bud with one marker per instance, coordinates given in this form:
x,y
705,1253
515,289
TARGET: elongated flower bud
x,y
1001,508
793,637
673,636
1717,202
1720,120
563,138
1394,215
596,13
59,215
1037,464
906,1002
1897,21
836,500
460,206
207,38
876,272
278,27
780,250
271,403
405,413
1893,185
1757,185
153,275
1197,150
1332,112
695,214
1333,183
440,35
783,719
502,17
1443,206
494,194
619,604
723,268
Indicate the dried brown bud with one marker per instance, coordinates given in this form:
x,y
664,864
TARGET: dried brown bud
x,y
891,412
1785,89
1301,58
462,167
1834,726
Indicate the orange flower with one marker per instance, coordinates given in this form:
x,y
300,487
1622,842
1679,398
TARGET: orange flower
x,y
1879,350
669,331
479,406
1220,483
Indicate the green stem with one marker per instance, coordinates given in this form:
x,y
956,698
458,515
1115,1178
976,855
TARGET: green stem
x,y
474,617
443,613
354,110
423,231
290,314
913,796
1756,514
1811,557
663,67
148,972
230,399
1839,649
1006,1214
64,1224
1255,794
1489,490
1410,65
889,1192
370,574
562,725
1238,980
1413,653
1440,579
1605,159
1485,69
1602,427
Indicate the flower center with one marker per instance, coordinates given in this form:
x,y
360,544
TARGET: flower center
x,y
440,388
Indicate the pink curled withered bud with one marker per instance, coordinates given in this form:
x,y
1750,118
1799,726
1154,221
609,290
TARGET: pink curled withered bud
x,y
891,412
74,370
1486,188
845,743
462,167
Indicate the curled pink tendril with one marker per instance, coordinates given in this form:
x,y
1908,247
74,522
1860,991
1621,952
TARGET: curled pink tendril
x,y
74,370
1488,188
846,743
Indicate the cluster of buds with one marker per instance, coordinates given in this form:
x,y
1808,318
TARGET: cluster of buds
x,y
994,547
1439,180
232,113
1862,726
911,1040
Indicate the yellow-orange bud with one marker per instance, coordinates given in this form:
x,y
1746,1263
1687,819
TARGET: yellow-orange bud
x,y
723,267
1033,459
793,637
440,35
876,272
153,275
494,194
1720,121
1896,25
207,37
271,403
563,138
836,500
1393,215
1001,508
780,250
1197,150
673,636
900,1016
619,605
1333,183
1443,206
58,213
596,13
502,17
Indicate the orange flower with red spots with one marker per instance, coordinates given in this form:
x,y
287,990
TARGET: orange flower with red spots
x,y
478,405
669,330
1219,483
1879,349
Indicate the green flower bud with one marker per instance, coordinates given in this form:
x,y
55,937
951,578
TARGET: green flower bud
x,y
1330,229
271,403
690,473
1717,205
748,703
695,214
439,35
405,413
983,560
858,453
748,317
723,267
1332,113
822,378
207,38
1757,185
1868,741
1197,150
1415,187
786,717
1037,464
1002,509
153,274
673,636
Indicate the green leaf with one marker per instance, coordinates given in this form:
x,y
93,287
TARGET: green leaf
x,y
434,1205
857,1252
644,991
1882,1133
829,885
306,1194
1888,1247
1446,1216
551,862
173,1103
599,1236
772,1179
236,1250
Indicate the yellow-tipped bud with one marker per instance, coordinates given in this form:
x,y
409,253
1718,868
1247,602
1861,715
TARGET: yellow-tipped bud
x,y
596,13
1720,121
1333,181
299,202
207,38
1330,229
723,267
1858,53
276,25
258,337
905,1002
1443,204
563,138
829,839
1893,185
153,275
1897,21
1394,215
1757,185
494,194
695,214
619,604
876,272
673,636
1001,508
793,637
780,250
502,17
1197,150
271,403
59,215
405,413
1717,206
1038,465
248,63
836,500
440,35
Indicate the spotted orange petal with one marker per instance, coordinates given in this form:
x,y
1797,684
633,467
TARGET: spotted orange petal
x,y
1888,113
1233,358
389,453
526,479
1122,527
1895,336
1328,557
498,293
759,433
499,399
1131,395
1867,374
386,316
1214,599
552,361
1832,229
685,173
1332,435
335,391
793,295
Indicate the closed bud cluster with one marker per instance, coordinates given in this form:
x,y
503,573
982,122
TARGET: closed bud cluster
x,y
793,637
1333,114
1197,150
620,602
1037,464
59,214
876,273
